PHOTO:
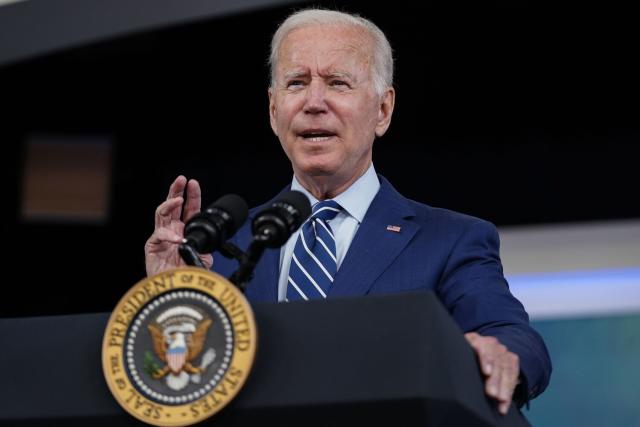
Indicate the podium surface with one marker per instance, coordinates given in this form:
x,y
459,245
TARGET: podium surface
x,y
397,359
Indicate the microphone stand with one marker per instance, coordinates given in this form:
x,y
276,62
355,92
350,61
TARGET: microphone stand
x,y
248,261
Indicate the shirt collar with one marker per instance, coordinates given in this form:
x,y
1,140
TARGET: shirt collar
x,y
356,199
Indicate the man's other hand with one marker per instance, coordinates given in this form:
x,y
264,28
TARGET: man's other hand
x,y
500,367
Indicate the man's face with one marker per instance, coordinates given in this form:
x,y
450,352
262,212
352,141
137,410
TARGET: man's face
x,y
323,106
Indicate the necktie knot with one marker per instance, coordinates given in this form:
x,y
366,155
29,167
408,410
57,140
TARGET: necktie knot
x,y
325,210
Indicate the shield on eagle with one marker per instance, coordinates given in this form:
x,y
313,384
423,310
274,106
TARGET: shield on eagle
x,y
176,358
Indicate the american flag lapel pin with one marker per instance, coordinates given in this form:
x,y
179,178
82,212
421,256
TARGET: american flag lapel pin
x,y
394,228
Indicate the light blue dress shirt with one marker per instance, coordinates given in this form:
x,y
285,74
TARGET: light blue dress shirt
x,y
355,202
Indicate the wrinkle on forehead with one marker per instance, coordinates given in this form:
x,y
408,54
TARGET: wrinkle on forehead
x,y
327,50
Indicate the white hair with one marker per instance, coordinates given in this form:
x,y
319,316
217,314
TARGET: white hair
x,y
382,72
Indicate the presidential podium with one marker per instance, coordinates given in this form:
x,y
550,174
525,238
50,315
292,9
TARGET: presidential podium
x,y
390,360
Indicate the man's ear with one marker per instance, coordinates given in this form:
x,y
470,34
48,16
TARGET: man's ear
x,y
272,111
385,111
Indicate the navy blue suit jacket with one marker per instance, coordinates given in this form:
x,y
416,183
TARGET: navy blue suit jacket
x,y
454,255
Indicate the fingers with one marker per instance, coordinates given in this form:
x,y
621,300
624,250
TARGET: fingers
x,y
499,365
491,358
485,348
177,187
167,211
502,385
503,407
510,370
164,235
194,197
497,384
207,260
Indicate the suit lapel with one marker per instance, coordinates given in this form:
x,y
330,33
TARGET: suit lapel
x,y
374,247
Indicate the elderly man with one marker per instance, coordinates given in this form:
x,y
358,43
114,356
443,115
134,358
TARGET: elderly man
x,y
331,94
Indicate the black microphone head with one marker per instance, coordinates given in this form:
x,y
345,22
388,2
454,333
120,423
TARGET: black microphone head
x,y
281,218
209,229
236,208
298,201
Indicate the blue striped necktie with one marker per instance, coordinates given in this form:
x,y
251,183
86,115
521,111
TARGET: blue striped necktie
x,y
313,264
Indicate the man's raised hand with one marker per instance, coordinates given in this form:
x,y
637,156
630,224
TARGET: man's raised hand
x,y
161,249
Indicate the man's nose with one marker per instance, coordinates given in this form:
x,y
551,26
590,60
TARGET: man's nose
x,y
315,102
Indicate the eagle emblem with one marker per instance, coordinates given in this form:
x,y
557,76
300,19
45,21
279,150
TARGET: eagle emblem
x,y
179,334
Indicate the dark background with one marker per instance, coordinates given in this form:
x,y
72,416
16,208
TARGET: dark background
x,y
513,112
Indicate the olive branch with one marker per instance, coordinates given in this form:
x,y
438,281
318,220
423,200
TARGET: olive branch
x,y
149,365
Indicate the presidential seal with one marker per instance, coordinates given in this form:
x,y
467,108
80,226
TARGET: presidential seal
x,y
179,346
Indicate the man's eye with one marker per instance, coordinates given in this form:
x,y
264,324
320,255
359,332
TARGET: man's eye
x,y
339,83
294,83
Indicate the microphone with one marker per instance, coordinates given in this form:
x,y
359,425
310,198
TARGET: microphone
x,y
275,224
208,230
271,228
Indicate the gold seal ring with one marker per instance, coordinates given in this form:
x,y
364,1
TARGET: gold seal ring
x,y
179,346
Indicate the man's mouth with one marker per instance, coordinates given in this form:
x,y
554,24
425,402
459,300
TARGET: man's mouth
x,y
317,135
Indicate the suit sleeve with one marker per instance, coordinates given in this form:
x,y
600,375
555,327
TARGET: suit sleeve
x,y
475,292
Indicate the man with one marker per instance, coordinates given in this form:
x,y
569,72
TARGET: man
x,y
331,94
